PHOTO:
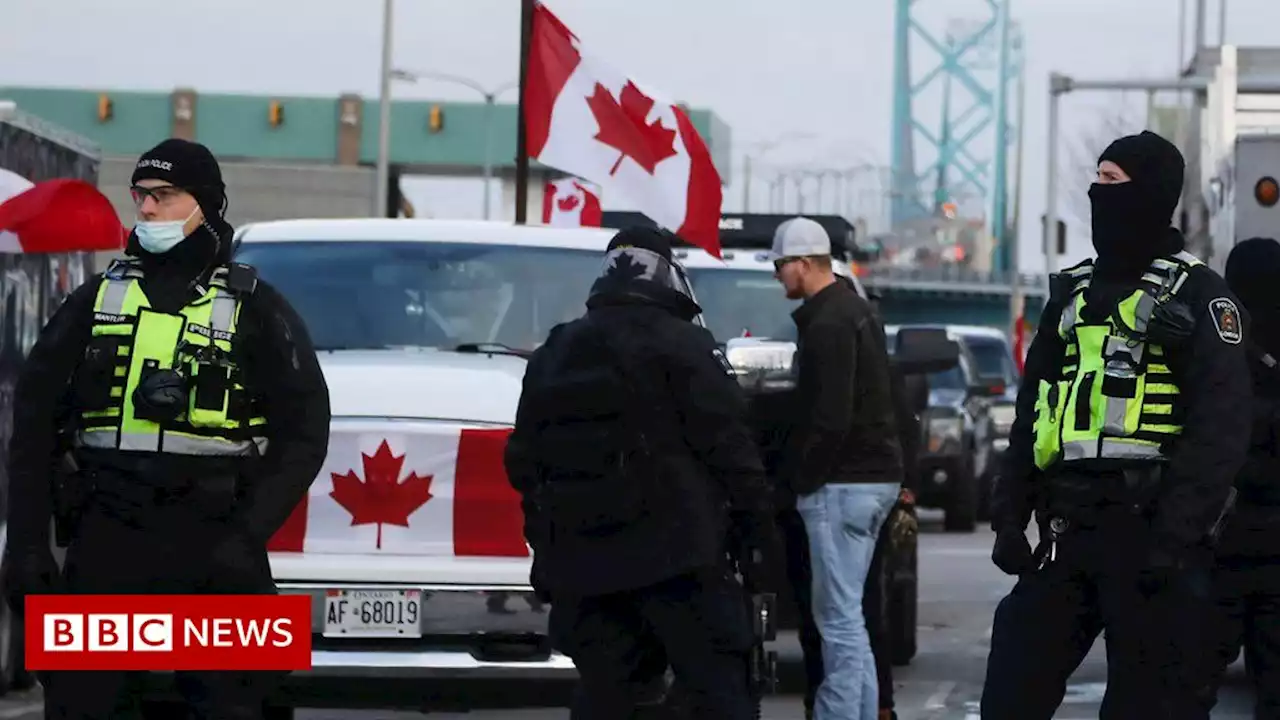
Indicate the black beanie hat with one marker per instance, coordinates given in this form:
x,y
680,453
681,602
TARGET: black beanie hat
x,y
652,239
1251,272
1153,163
188,165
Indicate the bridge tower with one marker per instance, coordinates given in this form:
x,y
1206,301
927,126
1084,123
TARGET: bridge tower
x,y
966,170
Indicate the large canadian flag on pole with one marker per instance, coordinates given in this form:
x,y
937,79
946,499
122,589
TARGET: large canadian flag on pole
x,y
586,118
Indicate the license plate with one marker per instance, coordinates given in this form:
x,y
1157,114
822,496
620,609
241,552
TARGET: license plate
x,y
373,613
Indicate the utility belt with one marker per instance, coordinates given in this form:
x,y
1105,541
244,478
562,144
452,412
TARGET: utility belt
x,y
1085,494
1141,488
81,476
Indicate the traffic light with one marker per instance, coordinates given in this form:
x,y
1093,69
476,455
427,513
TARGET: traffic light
x,y
105,108
275,113
435,119
1266,192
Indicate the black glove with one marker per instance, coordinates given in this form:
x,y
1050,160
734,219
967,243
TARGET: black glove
x,y
30,572
1012,553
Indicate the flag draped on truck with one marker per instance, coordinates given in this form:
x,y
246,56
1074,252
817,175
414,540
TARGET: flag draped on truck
x,y
381,490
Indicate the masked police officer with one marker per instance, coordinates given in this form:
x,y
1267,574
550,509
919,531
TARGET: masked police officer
x,y
1248,579
195,416
1132,421
634,461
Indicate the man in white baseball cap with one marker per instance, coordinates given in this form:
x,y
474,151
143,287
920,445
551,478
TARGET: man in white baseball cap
x,y
843,463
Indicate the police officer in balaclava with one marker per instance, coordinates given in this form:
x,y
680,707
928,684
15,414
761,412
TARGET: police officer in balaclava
x,y
1248,580
1132,422
186,402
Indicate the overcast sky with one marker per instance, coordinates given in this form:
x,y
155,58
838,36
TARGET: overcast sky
x,y
822,66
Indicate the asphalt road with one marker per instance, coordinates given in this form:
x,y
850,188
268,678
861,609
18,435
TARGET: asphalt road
x,y
958,591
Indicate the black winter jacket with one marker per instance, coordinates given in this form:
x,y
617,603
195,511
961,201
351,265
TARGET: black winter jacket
x,y
708,467
847,432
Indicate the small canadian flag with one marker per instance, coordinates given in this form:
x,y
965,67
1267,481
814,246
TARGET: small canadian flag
x,y
571,202
586,118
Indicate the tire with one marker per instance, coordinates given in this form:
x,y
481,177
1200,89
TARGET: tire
x,y
962,506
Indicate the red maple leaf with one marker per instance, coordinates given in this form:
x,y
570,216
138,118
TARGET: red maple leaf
x,y
381,497
623,127
568,202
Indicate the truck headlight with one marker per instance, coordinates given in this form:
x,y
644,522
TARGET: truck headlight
x,y
944,431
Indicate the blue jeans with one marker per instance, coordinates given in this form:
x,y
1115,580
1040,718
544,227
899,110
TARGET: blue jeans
x,y
843,522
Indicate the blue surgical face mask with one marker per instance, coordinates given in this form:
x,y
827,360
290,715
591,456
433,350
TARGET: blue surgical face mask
x,y
158,237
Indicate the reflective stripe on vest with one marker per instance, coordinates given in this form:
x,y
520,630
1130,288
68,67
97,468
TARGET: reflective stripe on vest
x,y
218,419
1117,397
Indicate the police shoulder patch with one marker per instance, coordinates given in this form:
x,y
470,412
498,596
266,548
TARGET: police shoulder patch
x,y
722,361
1226,320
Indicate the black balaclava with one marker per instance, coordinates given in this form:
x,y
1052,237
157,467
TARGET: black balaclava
x,y
193,168
1131,219
639,267
1252,271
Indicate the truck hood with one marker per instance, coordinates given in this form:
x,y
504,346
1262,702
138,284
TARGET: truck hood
x,y
424,383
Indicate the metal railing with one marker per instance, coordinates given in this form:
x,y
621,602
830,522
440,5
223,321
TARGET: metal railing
x,y
951,277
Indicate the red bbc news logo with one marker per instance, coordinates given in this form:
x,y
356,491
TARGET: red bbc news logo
x,y
168,632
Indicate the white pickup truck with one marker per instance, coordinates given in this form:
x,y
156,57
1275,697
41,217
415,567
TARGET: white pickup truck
x,y
411,540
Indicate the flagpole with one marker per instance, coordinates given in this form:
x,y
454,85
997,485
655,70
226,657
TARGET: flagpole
x,y
522,153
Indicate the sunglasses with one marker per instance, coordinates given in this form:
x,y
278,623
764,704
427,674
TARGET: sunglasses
x,y
783,262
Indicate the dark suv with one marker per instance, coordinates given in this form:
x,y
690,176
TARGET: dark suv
x,y
966,425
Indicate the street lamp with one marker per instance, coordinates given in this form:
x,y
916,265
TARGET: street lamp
x,y
490,97
763,147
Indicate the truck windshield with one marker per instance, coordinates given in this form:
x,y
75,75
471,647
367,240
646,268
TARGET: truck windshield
x,y
743,302
993,359
373,295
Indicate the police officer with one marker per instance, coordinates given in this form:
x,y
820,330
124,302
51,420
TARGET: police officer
x,y
1248,580
1132,421
634,461
189,399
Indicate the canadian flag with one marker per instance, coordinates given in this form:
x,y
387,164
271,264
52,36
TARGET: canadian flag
x,y
56,216
584,117
571,202
383,490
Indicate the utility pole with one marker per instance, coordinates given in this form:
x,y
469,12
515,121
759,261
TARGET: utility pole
x,y
1222,22
384,116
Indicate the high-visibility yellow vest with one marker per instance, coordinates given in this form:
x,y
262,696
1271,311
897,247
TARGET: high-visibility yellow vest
x,y
130,339
1115,396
